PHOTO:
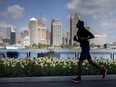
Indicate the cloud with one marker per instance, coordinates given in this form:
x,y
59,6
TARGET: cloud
x,y
109,24
102,12
4,24
90,7
14,11
73,4
3,27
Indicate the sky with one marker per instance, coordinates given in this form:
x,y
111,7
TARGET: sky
x,y
100,15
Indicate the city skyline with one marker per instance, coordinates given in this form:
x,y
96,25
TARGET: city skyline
x,y
99,15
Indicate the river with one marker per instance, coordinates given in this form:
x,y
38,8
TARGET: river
x,y
65,53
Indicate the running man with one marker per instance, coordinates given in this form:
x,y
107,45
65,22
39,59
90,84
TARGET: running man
x,y
83,38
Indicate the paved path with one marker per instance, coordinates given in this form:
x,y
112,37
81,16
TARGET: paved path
x,y
93,83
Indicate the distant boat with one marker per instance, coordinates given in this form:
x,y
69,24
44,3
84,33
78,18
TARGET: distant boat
x,y
11,47
15,47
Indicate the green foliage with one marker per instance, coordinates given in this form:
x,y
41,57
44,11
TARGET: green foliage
x,y
28,67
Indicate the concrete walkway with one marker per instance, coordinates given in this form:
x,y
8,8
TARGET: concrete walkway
x,y
89,83
54,79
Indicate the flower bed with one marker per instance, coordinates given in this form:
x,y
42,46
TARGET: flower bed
x,y
28,67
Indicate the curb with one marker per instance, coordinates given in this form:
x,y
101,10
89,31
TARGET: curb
x,y
53,78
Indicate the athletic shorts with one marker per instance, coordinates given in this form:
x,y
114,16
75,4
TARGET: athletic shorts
x,y
85,53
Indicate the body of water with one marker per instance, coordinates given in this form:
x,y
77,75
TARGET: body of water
x,y
65,53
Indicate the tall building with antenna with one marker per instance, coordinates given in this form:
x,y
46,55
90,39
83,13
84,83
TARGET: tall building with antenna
x,y
74,17
41,22
37,31
41,31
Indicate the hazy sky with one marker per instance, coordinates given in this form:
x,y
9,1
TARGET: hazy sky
x,y
100,15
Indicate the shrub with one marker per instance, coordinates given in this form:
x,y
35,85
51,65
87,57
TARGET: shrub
x,y
28,67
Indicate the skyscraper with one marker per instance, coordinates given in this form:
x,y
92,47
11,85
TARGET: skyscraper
x,y
41,31
41,35
33,31
26,41
37,31
56,32
64,40
8,31
74,17
68,37
48,36
24,33
41,22
1,41
12,37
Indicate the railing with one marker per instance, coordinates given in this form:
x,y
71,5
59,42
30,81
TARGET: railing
x,y
93,54
111,55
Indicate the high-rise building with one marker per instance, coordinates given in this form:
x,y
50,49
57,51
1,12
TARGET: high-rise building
x,y
41,35
33,31
1,35
64,40
19,40
48,36
68,37
24,33
12,37
6,42
26,41
56,32
74,17
41,22
37,31
1,41
8,31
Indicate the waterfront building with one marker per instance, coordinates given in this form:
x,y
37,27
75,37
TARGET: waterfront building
x,y
1,41
19,40
99,40
37,31
6,41
56,32
12,37
68,37
64,40
41,31
48,36
41,22
74,17
41,35
26,41
24,33
33,31
0,35
8,31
